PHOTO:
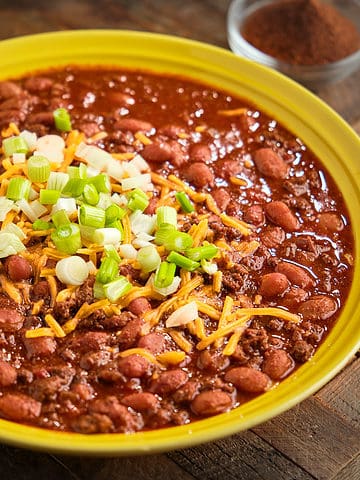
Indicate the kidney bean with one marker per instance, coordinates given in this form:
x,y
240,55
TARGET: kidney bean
x,y
154,342
38,84
19,407
293,297
119,414
15,103
45,118
272,237
330,222
254,215
171,131
187,392
199,174
93,360
157,152
8,116
10,89
17,268
295,274
227,168
8,374
133,125
89,128
319,307
138,306
273,284
142,402
199,153
221,197
120,99
212,362
39,347
270,164
277,364
88,341
151,208
248,379
130,333
211,402
10,320
178,155
134,366
280,214
169,381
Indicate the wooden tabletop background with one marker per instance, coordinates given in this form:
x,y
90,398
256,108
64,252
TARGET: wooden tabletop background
x,y
318,439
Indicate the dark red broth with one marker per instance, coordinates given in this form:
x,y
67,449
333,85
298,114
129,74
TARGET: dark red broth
x,y
296,256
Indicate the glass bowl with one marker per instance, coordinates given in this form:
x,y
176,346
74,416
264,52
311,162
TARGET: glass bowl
x,y
312,76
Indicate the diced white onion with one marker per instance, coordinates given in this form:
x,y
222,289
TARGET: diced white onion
x,y
30,138
103,236
91,267
57,180
92,172
143,239
104,200
72,270
209,268
10,244
38,208
33,194
130,169
18,158
139,181
94,156
126,250
183,315
27,209
120,200
140,163
172,288
141,223
67,204
115,170
5,206
12,228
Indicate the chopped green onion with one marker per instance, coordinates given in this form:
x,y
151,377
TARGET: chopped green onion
x,y
72,270
184,202
164,275
18,189
90,194
118,225
49,197
41,225
74,187
148,258
98,290
67,238
111,252
101,183
13,145
163,232
108,235
38,168
113,213
178,241
60,218
10,244
108,270
78,172
117,288
67,204
92,216
199,253
87,233
57,180
62,119
138,202
182,262
166,215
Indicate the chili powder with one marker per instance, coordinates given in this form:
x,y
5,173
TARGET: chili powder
x,y
302,32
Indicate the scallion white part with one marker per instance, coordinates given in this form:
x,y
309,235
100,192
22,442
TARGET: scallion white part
x,y
172,288
72,270
57,181
10,244
104,200
143,239
142,223
38,208
18,158
126,250
183,315
139,181
120,200
67,204
91,267
6,206
33,194
103,236
27,209
12,228
30,138
209,267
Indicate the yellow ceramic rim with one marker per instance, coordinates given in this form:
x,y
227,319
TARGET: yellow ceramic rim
x,y
322,129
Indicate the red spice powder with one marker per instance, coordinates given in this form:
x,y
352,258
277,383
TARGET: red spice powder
x,y
302,32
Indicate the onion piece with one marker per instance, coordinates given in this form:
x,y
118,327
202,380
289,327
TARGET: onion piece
x,y
10,244
12,228
142,223
67,204
72,270
183,315
126,250
172,288
140,163
139,181
6,206
94,156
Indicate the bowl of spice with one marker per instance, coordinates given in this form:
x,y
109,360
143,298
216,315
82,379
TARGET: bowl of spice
x,y
315,42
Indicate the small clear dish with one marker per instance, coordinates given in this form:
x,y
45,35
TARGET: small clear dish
x,y
312,76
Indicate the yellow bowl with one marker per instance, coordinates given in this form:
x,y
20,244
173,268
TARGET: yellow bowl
x,y
304,114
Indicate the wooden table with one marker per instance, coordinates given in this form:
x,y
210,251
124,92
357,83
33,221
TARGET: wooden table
x,y
318,439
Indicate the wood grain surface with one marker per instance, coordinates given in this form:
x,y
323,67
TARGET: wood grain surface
x,y
318,439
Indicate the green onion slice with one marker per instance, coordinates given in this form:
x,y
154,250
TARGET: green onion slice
x,y
110,251
101,182
67,238
164,275
13,145
60,218
148,258
200,253
114,213
92,216
74,187
117,288
38,168
182,262
62,119
108,270
178,241
41,225
184,202
49,197
18,189
166,215
90,194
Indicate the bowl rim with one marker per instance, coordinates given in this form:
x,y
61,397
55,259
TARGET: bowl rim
x,y
251,77
237,40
